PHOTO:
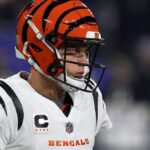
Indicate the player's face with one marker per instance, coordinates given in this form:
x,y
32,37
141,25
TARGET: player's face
x,y
77,54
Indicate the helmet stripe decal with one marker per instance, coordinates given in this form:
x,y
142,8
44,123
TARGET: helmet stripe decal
x,y
25,27
63,15
33,57
77,23
48,11
27,7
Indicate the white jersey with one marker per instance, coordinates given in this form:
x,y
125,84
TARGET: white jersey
x,y
29,121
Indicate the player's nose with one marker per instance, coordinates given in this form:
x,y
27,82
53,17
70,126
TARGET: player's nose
x,y
83,58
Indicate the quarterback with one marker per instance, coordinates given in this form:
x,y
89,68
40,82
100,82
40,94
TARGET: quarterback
x,y
56,106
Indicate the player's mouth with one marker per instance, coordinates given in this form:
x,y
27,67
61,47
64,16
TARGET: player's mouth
x,y
79,75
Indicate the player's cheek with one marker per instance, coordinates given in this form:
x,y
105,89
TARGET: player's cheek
x,y
71,68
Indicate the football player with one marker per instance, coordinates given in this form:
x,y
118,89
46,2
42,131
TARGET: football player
x,y
57,106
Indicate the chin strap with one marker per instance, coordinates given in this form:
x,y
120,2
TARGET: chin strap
x,y
71,83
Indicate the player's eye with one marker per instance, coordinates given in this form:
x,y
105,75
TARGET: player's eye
x,y
72,51
77,50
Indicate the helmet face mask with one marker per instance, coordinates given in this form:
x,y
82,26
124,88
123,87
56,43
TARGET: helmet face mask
x,y
72,46
44,27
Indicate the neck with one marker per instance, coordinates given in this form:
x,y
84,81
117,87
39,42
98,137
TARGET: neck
x,y
46,86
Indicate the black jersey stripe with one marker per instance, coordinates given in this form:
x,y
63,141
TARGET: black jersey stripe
x,y
48,11
90,83
16,102
64,14
3,105
25,27
95,98
83,20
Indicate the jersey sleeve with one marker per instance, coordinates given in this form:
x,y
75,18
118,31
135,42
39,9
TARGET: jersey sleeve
x,y
4,131
8,120
104,121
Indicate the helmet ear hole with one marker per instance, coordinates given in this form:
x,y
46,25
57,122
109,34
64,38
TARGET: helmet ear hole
x,y
51,38
52,70
55,68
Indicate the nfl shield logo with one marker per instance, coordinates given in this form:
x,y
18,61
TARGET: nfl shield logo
x,y
69,127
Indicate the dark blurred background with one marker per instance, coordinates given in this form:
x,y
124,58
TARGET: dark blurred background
x,y
125,26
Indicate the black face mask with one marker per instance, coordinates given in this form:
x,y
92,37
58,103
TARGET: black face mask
x,y
90,47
